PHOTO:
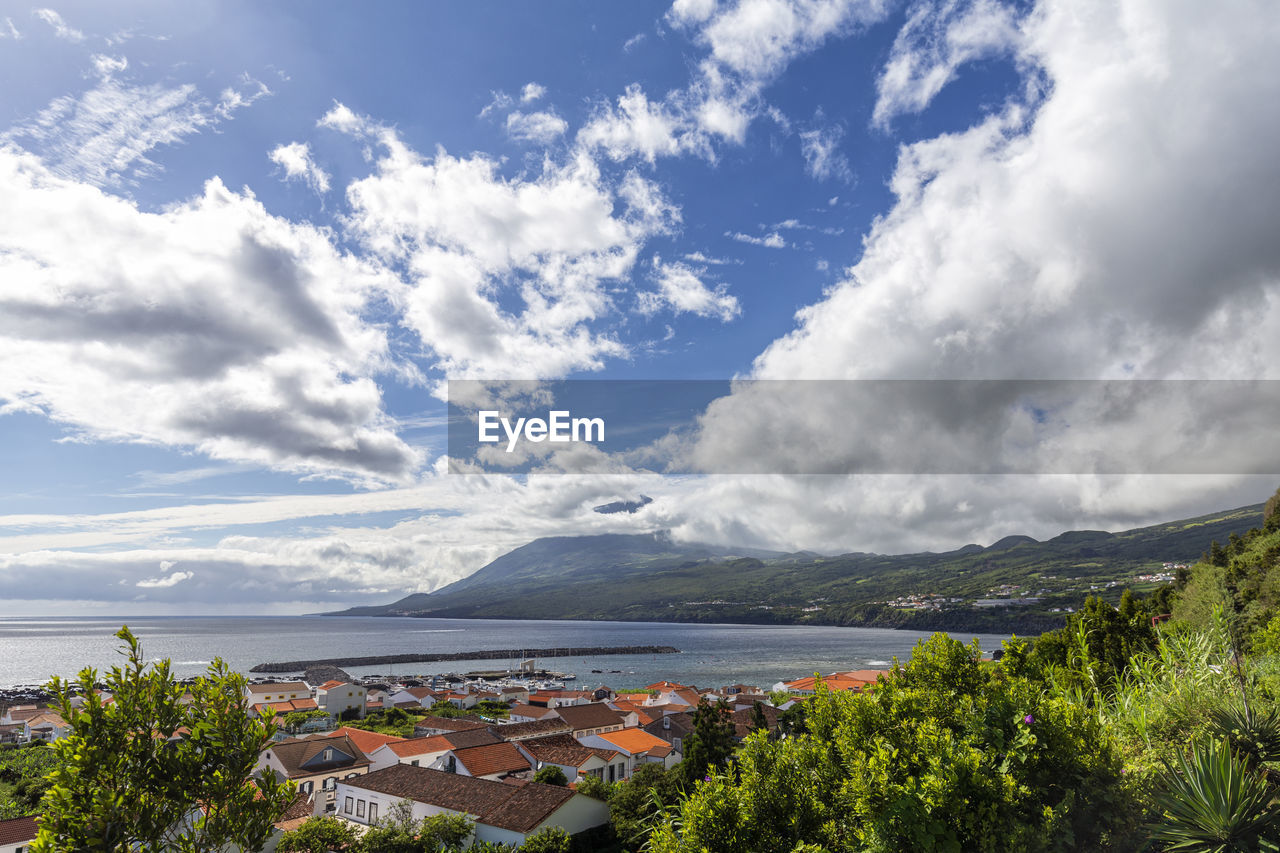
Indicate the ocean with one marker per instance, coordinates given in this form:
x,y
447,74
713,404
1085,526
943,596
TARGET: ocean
x,y
33,649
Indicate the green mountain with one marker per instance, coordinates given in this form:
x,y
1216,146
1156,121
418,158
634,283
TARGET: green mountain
x,y
1017,583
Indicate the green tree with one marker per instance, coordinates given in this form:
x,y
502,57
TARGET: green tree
x,y
550,774
164,766
549,839
319,835
946,754
636,803
710,745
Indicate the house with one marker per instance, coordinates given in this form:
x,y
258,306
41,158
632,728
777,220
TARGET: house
x,y
528,713
423,697
538,728
633,714
636,745
591,719
560,698
367,741
672,728
515,695
47,726
461,700
315,764
16,733
744,721
18,714
852,680
432,725
503,813
282,691
338,697
17,834
419,751
575,760
495,761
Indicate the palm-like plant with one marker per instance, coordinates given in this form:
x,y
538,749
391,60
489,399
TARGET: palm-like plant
x,y
1212,803
1253,735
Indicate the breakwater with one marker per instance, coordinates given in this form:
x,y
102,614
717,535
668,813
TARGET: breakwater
x,y
483,654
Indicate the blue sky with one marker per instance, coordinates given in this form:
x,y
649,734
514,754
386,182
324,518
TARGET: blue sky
x,y
243,245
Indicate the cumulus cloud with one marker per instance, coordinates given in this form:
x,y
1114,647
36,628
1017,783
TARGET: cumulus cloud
x,y
937,39
212,325
542,127
104,135
638,127
298,164
164,582
506,275
60,27
532,92
682,290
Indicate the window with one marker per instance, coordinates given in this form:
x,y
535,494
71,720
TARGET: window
x,y
359,808
328,755
306,787
373,812
352,775
331,783
612,771
350,803
413,763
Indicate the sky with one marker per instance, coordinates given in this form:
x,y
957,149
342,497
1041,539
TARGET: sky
x,y
244,247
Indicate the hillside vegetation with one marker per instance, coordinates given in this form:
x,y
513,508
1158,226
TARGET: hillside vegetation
x,y
1015,584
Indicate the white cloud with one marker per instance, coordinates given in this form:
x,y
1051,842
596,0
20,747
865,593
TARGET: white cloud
x,y
9,30
60,27
532,92
298,164
1103,231
822,156
211,325
682,291
507,274
633,42
936,40
499,101
772,240
165,582
341,118
104,135
637,128
542,127
105,65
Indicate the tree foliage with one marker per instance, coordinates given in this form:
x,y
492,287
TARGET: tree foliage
x,y
163,766
549,839
551,775
319,835
711,743
946,754
400,832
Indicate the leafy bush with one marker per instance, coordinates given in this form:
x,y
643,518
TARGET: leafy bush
x,y
549,839
318,835
944,754
1212,802
551,775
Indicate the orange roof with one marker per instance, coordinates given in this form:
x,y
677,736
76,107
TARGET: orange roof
x,y
666,685
420,746
833,682
367,741
871,676
632,708
501,757
635,698
329,685
635,741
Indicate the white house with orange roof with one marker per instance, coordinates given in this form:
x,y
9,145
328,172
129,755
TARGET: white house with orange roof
x,y
851,680
339,697
637,745
417,752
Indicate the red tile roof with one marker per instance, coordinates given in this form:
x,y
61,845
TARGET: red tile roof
x,y
517,808
635,741
501,757
18,830
367,741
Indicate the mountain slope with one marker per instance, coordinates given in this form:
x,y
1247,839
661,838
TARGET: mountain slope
x,y
1015,583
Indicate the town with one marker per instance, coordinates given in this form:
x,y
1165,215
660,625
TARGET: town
x,y
509,754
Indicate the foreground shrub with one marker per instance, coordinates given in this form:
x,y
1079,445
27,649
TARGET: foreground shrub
x,y
1211,801
943,755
